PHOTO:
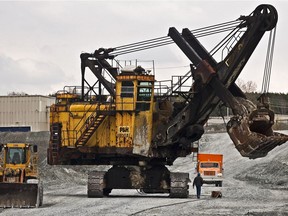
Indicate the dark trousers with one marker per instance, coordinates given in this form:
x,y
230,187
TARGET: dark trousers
x,y
198,190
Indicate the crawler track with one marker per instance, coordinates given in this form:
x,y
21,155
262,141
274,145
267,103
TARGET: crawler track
x,y
96,184
179,185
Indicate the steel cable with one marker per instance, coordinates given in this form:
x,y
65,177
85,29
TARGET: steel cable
x,y
203,29
166,40
268,62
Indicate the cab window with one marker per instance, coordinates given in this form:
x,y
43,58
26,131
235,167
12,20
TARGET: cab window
x,y
144,94
127,89
16,156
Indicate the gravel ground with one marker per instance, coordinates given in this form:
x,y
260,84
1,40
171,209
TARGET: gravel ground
x,y
251,187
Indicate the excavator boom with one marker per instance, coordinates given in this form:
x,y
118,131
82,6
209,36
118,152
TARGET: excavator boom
x,y
215,82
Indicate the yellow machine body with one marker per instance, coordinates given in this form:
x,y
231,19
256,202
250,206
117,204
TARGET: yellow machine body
x,y
19,180
111,126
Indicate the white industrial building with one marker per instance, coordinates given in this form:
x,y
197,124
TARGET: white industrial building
x,y
25,113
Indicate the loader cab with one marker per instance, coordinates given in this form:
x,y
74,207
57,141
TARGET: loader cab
x,y
16,156
15,153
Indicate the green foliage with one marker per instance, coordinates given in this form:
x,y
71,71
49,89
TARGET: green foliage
x,y
278,101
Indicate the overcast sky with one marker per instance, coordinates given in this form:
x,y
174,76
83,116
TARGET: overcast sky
x,y
41,41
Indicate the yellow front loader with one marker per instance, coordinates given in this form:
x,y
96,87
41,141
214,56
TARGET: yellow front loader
x,y
20,185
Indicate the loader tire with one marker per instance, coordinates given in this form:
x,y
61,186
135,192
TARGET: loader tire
x,y
41,194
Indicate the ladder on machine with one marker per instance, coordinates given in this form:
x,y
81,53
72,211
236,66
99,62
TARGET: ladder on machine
x,y
195,150
90,126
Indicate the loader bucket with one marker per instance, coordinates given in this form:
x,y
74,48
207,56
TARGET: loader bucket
x,y
18,195
254,139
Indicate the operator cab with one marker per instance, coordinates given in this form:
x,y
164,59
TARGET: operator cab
x,y
134,109
15,154
134,88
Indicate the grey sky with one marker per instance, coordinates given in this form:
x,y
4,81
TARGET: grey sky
x,y
41,41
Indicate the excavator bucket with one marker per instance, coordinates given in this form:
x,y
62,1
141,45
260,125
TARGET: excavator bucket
x,y
254,138
19,195
252,134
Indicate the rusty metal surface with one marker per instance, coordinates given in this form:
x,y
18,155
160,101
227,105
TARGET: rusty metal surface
x,y
253,144
17,195
216,194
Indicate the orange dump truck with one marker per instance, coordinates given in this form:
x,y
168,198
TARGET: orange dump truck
x,y
210,166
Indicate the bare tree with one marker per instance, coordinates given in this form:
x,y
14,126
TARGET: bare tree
x,y
247,87
17,94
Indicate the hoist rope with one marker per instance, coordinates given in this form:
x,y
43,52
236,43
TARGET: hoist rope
x,y
166,40
268,62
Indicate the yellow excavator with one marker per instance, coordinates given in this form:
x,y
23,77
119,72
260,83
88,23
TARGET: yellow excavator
x,y
20,185
139,125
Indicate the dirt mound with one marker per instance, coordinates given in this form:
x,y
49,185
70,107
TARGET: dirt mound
x,y
273,174
270,171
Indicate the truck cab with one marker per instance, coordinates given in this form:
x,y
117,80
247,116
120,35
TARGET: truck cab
x,y
210,166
